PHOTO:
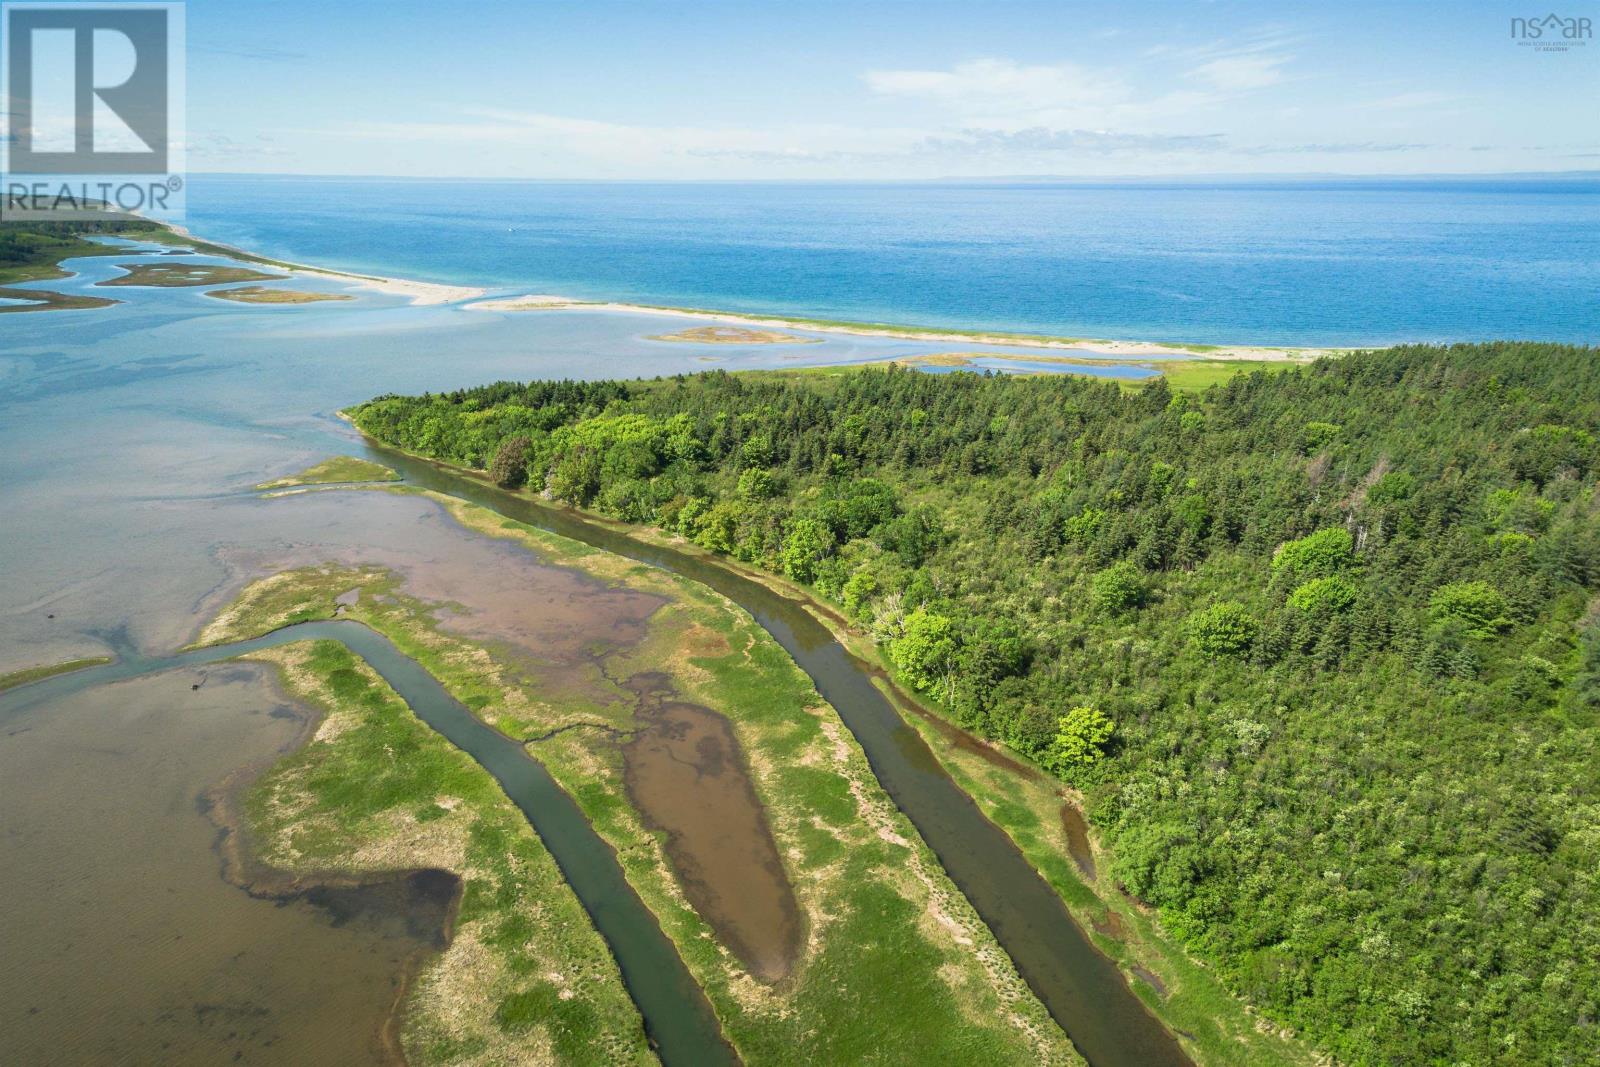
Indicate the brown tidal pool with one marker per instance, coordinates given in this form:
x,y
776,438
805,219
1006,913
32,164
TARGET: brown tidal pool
x,y
557,627
1077,831
685,773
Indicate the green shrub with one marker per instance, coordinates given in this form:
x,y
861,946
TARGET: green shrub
x,y
807,544
757,484
1223,629
1314,555
1318,435
1391,488
1118,587
1328,594
1478,606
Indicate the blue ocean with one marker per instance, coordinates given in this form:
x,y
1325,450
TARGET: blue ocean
x,y
1349,262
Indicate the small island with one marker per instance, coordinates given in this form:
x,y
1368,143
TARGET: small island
x,y
735,335
47,300
185,275
260,294
34,251
336,471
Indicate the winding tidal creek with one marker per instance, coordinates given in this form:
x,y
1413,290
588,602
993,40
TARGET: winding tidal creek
x,y
676,1013
131,436
1082,988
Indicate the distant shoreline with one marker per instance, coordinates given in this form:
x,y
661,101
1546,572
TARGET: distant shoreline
x,y
1106,347
472,298
419,293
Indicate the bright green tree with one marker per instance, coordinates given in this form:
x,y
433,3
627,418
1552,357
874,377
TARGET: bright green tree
x,y
807,544
925,649
1081,736
1478,606
1225,629
1314,555
1118,587
1327,594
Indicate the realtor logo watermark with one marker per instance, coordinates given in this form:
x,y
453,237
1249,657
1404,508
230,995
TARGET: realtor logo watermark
x,y
94,110
1552,32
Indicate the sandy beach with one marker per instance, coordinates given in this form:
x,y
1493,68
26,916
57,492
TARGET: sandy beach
x,y
432,293
1128,349
419,293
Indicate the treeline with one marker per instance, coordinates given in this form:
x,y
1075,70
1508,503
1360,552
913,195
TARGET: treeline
x,y
28,244
1322,646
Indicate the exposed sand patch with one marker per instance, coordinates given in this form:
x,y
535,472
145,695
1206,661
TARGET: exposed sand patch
x,y
735,335
1130,349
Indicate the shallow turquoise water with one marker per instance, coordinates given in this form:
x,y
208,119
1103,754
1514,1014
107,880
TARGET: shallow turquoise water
x,y
1295,263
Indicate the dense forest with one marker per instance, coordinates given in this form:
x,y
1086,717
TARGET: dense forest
x,y
42,244
1321,647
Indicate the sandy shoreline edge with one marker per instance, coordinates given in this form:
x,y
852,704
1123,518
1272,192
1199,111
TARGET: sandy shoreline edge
x,y
419,293
1099,347
471,298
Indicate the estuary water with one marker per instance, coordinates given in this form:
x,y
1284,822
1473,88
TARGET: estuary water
x,y
1300,263
130,438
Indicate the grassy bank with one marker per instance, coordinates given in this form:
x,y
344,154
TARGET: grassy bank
x,y
33,251
525,978
1179,990
1270,631
335,470
1182,375
895,965
1026,803
34,674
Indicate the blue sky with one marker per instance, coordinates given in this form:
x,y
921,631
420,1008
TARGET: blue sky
x,y
801,90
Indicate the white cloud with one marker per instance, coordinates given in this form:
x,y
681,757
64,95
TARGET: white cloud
x,y
1002,84
1076,142
1004,95
1243,73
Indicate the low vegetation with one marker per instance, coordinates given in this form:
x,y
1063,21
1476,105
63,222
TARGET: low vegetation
x,y
735,335
376,790
259,294
185,275
31,251
895,965
337,469
33,674
1342,619
1182,375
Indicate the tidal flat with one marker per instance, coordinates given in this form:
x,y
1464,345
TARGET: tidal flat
x,y
892,963
12,679
144,954
19,300
522,976
90,482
